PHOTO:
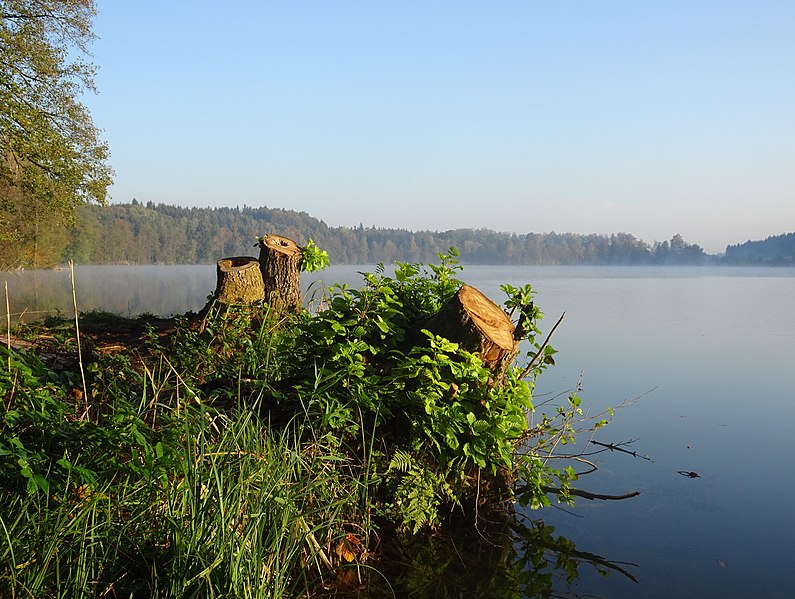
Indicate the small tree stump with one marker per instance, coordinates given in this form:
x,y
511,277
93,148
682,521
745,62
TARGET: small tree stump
x,y
239,281
280,264
478,325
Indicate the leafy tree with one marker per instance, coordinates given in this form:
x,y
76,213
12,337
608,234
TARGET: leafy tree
x,y
51,157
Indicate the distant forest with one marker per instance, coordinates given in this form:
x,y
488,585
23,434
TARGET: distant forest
x,y
774,251
163,234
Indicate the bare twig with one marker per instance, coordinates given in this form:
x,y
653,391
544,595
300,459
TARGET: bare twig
x,y
540,351
593,467
593,558
315,545
617,447
565,511
77,334
8,327
584,423
477,501
562,546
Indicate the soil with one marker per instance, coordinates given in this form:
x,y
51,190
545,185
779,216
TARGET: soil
x,y
99,333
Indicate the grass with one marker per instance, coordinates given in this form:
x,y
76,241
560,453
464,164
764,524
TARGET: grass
x,y
160,495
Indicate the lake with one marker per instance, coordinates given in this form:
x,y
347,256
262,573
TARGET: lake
x,y
709,352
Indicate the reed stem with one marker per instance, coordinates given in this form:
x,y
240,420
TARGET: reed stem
x,y
8,327
77,334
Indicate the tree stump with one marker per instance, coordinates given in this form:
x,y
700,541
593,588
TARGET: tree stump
x,y
239,281
478,325
280,264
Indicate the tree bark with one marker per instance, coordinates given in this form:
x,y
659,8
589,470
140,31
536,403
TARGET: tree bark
x,y
280,264
478,325
239,281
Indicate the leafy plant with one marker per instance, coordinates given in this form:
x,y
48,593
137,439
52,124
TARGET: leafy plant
x,y
313,258
426,399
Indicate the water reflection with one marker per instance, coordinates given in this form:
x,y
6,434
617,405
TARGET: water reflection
x,y
505,556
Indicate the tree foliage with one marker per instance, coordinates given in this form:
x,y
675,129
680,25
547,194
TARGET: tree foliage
x,y
775,250
51,156
149,233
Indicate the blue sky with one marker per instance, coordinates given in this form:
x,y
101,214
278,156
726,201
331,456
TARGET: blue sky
x,y
651,118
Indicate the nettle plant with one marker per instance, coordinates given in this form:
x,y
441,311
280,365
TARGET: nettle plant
x,y
437,429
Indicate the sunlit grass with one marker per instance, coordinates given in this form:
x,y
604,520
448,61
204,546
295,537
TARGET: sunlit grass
x,y
202,504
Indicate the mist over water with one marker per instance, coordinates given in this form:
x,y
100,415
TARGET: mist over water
x,y
711,350
125,290
133,290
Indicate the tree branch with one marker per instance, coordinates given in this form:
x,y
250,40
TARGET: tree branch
x,y
617,447
591,496
532,363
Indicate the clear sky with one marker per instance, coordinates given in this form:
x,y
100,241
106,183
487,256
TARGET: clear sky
x,y
585,116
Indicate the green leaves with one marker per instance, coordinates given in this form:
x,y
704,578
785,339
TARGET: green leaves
x,y
51,157
433,405
435,408
313,258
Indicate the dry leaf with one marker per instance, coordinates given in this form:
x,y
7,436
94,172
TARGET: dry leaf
x,y
348,547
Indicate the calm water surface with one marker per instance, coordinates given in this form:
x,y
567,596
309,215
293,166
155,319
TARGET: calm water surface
x,y
717,350
712,352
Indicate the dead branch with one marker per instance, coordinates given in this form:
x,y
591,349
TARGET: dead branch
x,y
580,493
591,496
617,447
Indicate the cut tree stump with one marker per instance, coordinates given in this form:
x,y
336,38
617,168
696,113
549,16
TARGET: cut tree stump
x,y
239,281
280,264
478,325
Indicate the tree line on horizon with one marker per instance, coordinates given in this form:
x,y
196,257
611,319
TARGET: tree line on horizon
x,y
137,233
150,233
164,234
776,250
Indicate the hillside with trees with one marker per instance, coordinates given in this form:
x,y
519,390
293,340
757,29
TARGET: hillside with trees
x,y
774,251
137,233
162,234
